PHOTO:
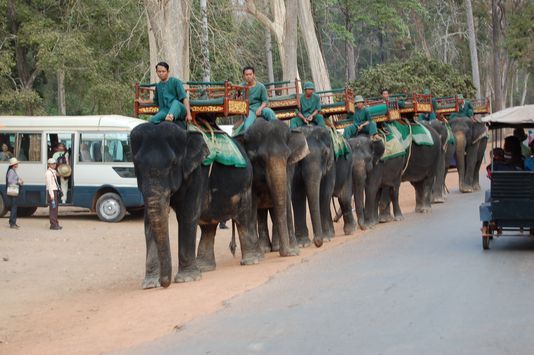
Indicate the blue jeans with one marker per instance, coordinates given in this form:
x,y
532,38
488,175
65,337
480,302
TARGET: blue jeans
x,y
13,202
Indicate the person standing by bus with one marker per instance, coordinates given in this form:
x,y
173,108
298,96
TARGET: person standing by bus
x,y
62,158
52,191
13,183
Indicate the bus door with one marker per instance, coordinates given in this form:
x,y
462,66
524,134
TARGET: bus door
x,y
61,147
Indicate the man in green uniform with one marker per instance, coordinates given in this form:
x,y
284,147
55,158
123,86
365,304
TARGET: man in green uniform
x,y
170,97
362,121
385,97
429,116
257,99
310,106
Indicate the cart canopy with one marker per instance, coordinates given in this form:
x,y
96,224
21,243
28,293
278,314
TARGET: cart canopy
x,y
517,116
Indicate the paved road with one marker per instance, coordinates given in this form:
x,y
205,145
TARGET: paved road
x,y
422,286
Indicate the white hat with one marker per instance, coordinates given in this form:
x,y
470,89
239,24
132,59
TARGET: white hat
x,y
52,161
13,161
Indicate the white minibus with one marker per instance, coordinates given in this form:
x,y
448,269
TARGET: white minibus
x,y
102,174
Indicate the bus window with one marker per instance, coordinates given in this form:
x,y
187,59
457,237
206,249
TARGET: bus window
x,y
28,147
7,145
117,148
91,147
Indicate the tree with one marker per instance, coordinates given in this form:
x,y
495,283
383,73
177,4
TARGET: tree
x,y
169,21
473,46
496,31
204,43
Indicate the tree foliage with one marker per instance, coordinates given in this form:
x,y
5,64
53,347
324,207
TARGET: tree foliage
x,y
414,75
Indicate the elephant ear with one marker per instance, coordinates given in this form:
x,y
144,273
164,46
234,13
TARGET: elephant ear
x,y
298,147
378,148
196,152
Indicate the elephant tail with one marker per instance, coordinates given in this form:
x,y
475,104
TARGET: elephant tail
x,y
233,244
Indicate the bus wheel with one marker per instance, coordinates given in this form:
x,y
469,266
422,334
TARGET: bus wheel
x,y
109,207
3,208
26,211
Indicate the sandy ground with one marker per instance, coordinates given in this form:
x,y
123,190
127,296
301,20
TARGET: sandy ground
x,y
78,290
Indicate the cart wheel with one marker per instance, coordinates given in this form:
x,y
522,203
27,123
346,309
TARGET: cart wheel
x,y
485,243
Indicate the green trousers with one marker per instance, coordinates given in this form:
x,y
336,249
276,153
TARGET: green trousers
x,y
352,130
318,120
178,111
266,113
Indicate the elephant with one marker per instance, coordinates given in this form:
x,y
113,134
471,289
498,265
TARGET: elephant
x,y
168,162
273,150
471,140
317,178
439,190
370,175
420,170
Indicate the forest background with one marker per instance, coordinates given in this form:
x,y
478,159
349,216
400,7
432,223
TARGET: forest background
x,y
81,57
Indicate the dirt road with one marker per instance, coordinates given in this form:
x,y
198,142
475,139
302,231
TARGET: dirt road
x,y
78,290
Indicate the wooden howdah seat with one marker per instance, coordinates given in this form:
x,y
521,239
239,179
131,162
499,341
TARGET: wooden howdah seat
x,y
220,98
284,98
481,106
447,105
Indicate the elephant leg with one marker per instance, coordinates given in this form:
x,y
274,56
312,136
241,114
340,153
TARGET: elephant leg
x,y
263,231
385,205
248,240
206,253
290,226
358,188
439,182
313,190
152,261
422,195
327,191
299,212
461,145
470,162
395,201
372,196
480,157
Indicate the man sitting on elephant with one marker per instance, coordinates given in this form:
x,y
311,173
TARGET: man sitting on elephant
x,y
465,109
429,116
257,99
362,121
170,97
310,108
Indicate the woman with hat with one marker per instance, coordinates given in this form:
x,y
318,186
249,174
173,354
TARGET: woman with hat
x,y
61,156
13,183
361,121
310,106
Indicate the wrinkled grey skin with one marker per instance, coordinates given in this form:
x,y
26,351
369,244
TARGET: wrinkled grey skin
x,y
318,177
370,176
273,150
421,170
439,190
169,170
469,151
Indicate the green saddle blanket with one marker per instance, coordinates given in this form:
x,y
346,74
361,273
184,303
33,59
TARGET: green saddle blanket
x,y
223,149
393,147
420,134
340,144
378,110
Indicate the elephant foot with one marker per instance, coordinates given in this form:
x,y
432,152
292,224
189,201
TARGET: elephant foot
x,y
304,242
206,265
362,226
466,189
318,242
438,199
275,247
265,247
289,252
349,228
423,209
399,218
328,237
252,259
151,282
476,187
385,218
187,276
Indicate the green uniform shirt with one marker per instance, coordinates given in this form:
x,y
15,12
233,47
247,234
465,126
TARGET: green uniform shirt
x,y
360,116
168,91
467,109
309,106
257,95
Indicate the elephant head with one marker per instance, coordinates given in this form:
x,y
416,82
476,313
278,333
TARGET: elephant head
x,y
165,156
273,149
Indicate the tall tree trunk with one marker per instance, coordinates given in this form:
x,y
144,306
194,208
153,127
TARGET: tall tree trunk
x,y
269,54
153,49
204,42
419,28
473,47
317,62
498,103
351,62
170,20
290,41
61,105
525,85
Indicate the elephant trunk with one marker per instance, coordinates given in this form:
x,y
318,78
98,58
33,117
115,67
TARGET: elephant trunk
x,y
277,181
157,213
359,176
460,160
